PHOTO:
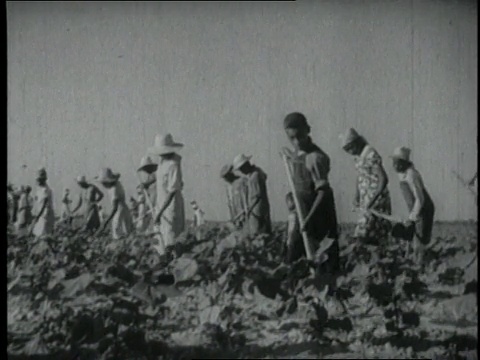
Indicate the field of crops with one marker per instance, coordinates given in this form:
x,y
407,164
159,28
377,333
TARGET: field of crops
x,y
75,297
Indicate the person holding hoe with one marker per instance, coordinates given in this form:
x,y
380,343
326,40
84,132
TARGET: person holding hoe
x,y
170,205
371,192
146,194
311,167
236,195
258,207
89,198
120,216
417,198
44,221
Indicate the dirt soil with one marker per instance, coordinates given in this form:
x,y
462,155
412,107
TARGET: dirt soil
x,y
231,297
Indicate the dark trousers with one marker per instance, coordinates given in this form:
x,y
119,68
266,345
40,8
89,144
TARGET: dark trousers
x,y
322,225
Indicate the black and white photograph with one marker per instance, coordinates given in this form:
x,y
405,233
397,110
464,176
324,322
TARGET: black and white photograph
x,y
242,179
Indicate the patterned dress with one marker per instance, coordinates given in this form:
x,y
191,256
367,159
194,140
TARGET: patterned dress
x,y
369,226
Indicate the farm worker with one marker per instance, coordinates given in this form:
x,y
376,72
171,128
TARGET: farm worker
x,y
236,194
66,214
419,202
146,171
89,197
122,224
24,215
198,214
258,207
144,218
133,206
311,167
170,207
44,220
371,191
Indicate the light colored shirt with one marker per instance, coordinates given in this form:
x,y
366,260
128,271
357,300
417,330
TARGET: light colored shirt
x,y
44,192
169,180
414,181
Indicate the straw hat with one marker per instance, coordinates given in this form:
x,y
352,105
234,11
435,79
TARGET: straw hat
x,y
225,170
42,174
164,144
81,180
240,160
350,136
147,165
107,176
401,153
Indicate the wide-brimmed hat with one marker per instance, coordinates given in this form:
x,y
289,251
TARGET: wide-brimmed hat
x,y
350,136
81,180
107,176
226,169
240,160
164,144
401,153
147,165
42,174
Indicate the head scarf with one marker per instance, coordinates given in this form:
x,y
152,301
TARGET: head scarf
x,y
295,120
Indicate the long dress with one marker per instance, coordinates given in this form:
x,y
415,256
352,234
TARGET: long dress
x,y
419,203
122,223
45,224
24,216
310,170
91,217
369,226
237,199
169,179
258,220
